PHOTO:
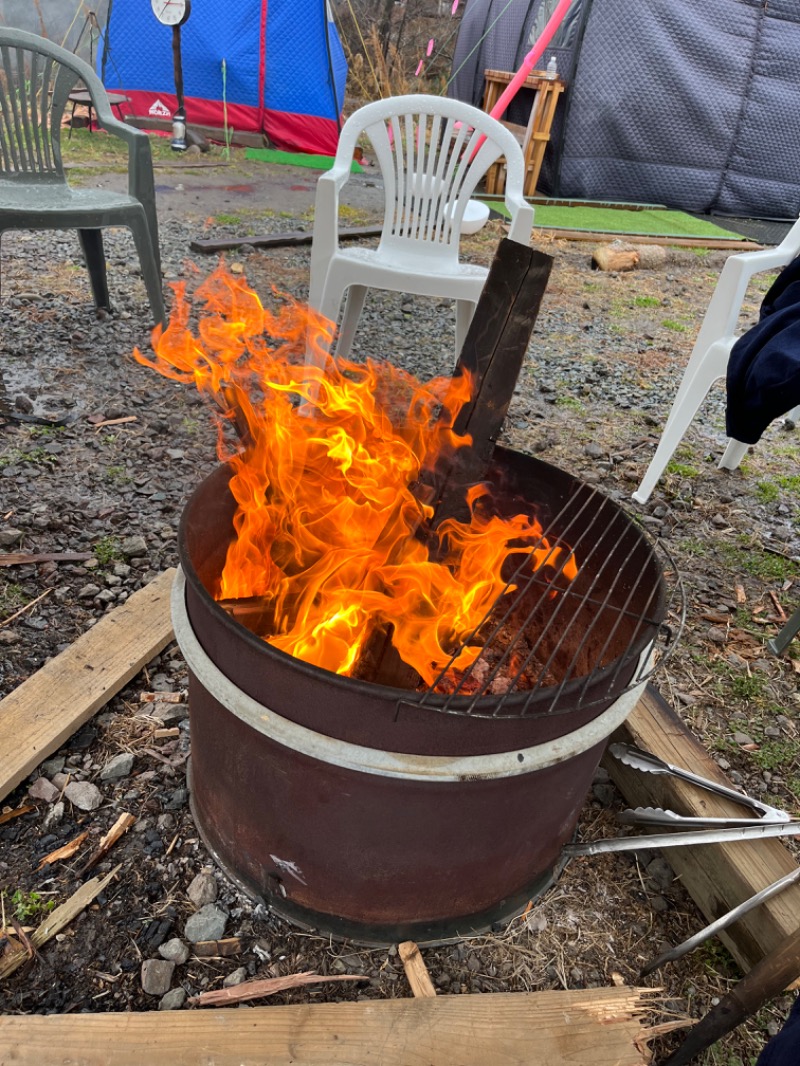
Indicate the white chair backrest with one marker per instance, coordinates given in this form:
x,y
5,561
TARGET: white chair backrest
x,y
432,152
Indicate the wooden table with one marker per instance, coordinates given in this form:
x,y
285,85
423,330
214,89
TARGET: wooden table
x,y
534,137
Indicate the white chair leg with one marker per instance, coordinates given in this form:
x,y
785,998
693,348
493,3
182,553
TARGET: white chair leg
x,y
793,417
687,403
734,454
465,309
356,294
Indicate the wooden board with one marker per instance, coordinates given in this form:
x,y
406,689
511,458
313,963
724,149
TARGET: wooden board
x,y
278,240
598,1026
640,238
39,715
717,876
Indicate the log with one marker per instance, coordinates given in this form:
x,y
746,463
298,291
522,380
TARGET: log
x,y
38,716
614,256
621,255
601,1026
717,876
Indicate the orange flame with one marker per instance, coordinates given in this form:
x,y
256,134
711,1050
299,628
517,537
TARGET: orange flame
x,y
324,484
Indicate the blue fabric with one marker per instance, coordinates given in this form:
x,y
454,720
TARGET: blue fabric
x,y
763,380
784,1049
138,54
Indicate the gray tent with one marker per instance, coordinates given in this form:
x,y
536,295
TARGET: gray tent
x,y
694,104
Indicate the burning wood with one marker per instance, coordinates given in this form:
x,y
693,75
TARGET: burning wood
x,y
328,563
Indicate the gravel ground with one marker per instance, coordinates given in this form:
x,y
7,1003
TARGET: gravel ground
x,y
602,368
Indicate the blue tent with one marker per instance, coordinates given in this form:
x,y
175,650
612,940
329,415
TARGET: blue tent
x,y
274,67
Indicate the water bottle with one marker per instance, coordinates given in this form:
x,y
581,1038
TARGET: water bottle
x,y
552,69
179,131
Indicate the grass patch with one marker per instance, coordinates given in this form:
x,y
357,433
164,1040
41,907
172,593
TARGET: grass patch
x,y
107,550
571,403
646,301
751,559
29,905
767,491
674,325
682,469
11,598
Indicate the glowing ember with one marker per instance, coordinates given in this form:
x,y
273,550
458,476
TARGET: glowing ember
x,y
327,523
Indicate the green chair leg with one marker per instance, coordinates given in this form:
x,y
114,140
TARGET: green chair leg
x,y
92,245
150,269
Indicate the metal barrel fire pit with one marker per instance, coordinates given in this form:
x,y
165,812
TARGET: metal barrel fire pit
x,y
378,814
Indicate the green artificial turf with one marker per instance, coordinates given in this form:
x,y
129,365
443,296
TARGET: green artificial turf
x,y
297,159
649,222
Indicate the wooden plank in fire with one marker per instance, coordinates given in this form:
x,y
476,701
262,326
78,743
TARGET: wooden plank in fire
x,y
493,352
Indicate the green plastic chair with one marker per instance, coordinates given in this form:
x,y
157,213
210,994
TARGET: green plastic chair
x,y
36,78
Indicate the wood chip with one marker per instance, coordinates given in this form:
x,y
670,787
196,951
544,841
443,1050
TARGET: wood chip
x,y
57,920
741,596
7,816
161,697
66,851
778,608
219,948
416,970
115,421
258,989
118,829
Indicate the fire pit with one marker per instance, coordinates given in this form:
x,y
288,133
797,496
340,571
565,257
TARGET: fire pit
x,y
413,772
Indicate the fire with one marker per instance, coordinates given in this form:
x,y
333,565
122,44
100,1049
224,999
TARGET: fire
x,y
327,476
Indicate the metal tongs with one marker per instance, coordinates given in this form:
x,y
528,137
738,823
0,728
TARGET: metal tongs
x,y
763,813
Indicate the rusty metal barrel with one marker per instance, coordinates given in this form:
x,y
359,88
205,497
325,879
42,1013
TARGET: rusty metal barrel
x,y
347,807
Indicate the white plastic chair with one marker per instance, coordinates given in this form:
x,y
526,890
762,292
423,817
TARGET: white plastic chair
x,y
427,148
709,359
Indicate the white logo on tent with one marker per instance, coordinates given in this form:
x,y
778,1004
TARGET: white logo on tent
x,y
159,110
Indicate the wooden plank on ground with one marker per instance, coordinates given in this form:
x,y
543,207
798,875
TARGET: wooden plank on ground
x,y
717,876
722,243
278,240
601,1026
38,716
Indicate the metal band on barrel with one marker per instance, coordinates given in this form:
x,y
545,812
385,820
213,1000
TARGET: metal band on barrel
x,y
388,763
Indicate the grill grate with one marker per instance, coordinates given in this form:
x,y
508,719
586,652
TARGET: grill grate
x,y
554,646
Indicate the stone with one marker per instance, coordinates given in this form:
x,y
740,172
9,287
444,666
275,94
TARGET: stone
x,y
120,766
203,889
174,951
173,1000
88,592
53,816
84,795
156,976
661,873
53,766
207,924
42,789
235,978
134,546
9,536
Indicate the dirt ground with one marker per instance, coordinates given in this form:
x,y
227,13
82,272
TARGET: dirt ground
x,y
603,366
